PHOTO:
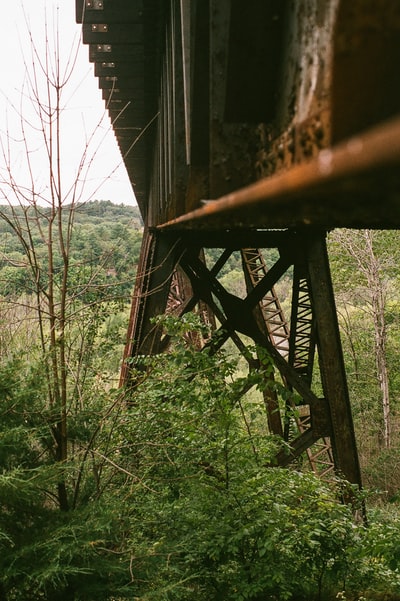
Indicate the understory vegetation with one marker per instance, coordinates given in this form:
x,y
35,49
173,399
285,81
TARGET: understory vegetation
x,y
168,491
170,497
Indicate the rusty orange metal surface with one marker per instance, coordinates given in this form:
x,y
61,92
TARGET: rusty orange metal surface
x,y
355,184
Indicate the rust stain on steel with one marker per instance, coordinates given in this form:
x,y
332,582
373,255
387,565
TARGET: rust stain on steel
x,y
366,153
365,82
306,78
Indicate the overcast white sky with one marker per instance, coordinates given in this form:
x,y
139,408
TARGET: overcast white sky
x,y
85,110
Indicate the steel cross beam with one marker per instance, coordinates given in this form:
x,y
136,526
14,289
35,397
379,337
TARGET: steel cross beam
x,y
300,340
325,419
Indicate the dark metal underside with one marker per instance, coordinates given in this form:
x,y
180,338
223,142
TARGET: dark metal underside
x,y
354,184
124,40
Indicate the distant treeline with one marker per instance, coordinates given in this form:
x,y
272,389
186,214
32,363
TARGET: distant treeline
x,y
106,237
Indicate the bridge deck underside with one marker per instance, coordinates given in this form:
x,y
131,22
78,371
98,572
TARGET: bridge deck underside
x,y
196,80
252,129
355,184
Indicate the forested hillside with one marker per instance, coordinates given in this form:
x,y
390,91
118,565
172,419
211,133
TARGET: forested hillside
x,y
167,492
365,271
106,239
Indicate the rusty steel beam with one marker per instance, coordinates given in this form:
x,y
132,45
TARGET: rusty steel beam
x,y
330,356
324,430
270,319
302,327
193,129
354,184
182,300
302,345
324,422
237,314
155,270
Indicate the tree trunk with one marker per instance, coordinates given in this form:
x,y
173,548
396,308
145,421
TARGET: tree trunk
x,y
360,246
377,289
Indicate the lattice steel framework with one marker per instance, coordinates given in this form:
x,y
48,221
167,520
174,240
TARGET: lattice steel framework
x,y
247,130
321,424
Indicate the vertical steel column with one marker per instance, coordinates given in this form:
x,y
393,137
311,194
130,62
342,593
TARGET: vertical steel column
x,y
269,315
330,357
156,267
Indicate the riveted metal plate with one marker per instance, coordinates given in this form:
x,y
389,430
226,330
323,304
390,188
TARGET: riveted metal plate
x,y
99,27
94,5
103,47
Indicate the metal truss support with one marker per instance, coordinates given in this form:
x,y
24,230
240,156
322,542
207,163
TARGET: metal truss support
x,y
156,267
270,318
301,357
324,427
298,346
181,300
331,361
278,330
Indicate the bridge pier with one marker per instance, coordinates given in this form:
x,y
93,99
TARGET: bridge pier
x,y
317,421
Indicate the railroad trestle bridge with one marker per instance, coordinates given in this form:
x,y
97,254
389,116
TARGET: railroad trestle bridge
x,y
248,126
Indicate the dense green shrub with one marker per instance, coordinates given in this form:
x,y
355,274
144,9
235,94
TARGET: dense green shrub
x,y
175,501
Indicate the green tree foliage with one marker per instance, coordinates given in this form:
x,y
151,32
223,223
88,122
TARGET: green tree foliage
x,y
105,246
365,273
174,499
61,295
